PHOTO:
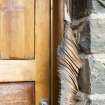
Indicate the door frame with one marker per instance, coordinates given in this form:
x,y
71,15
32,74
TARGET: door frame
x,y
57,29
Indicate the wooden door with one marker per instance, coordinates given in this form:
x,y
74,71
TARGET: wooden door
x,y
24,51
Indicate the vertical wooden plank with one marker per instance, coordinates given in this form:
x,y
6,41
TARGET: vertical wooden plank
x,y
58,29
52,73
42,40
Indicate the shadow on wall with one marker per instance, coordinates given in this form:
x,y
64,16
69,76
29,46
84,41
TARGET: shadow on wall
x,y
81,9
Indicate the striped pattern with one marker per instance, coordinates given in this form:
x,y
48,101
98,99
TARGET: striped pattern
x,y
69,65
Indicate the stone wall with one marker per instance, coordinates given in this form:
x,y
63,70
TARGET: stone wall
x,y
91,40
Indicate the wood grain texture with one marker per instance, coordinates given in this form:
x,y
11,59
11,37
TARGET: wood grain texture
x,y
57,35
17,29
37,69
42,49
17,93
17,70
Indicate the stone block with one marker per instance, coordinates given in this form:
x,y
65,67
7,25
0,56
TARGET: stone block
x,y
98,6
92,37
98,102
97,73
97,99
97,33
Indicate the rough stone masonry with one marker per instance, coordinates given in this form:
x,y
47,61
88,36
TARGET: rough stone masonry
x,y
92,47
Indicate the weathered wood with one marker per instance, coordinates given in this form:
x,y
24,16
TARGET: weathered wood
x,y
69,63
